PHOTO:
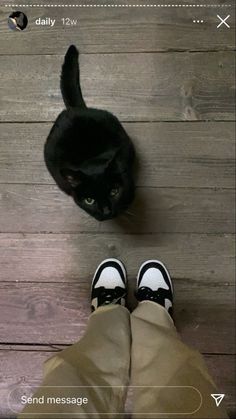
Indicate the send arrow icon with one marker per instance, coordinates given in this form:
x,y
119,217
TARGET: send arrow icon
x,y
218,398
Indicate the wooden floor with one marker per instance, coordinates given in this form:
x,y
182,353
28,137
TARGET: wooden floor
x,y
171,83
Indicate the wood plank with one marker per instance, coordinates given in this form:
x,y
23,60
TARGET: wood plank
x,y
44,208
102,30
25,368
136,87
64,257
58,312
169,154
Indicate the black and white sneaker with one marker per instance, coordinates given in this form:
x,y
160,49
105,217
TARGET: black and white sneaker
x,y
154,284
109,285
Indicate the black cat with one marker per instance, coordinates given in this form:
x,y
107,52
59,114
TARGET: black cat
x,y
88,152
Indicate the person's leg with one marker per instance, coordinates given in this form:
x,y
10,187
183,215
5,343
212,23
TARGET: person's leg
x,y
100,361
173,378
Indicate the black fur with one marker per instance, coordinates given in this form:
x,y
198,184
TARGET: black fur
x,y
88,152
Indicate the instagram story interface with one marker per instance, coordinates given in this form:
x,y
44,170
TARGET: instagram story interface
x,y
117,178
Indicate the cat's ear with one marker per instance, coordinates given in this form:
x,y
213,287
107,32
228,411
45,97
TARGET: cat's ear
x,y
97,165
71,176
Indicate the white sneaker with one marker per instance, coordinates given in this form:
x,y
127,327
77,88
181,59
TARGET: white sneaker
x,y
154,284
109,285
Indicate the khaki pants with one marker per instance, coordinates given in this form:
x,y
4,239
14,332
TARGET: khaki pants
x,y
167,378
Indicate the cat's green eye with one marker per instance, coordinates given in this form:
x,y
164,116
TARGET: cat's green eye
x,y
89,201
114,191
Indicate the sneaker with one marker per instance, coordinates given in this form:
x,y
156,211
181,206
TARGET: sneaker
x,y
154,284
109,284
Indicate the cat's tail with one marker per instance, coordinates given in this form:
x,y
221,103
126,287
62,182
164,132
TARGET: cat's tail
x,y
70,80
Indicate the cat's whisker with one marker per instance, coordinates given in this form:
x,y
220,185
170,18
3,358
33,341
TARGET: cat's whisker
x,y
130,213
127,218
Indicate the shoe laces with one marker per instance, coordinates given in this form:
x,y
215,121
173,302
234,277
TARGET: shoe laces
x,y
113,295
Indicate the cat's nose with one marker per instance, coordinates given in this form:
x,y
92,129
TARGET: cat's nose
x,y
106,210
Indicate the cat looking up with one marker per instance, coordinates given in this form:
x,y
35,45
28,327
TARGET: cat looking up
x,y
88,152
